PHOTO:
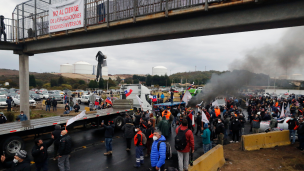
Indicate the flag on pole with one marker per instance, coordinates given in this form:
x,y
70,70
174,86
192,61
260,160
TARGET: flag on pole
x,y
204,117
128,92
75,118
139,101
287,113
282,111
154,99
191,116
187,97
215,103
108,100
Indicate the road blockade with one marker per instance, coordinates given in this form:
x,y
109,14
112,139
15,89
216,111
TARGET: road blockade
x,y
210,161
265,140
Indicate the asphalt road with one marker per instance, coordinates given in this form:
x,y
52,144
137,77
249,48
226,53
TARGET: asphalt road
x,y
89,148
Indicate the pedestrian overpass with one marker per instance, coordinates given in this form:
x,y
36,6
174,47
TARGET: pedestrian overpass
x,y
115,22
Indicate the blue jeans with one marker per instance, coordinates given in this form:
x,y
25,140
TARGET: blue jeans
x,y
54,108
225,133
42,165
71,108
66,112
174,121
108,144
207,147
48,107
139,155
292,133
301,140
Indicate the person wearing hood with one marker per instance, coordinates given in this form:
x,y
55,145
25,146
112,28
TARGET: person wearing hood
x,y
129,132
40,153
56,133
206,138
20,162
22,117
164,127
220,130
76,107
3,119
149,134
235,128
158,151
273,122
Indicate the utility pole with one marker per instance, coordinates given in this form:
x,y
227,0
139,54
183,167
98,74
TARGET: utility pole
x,y
195,69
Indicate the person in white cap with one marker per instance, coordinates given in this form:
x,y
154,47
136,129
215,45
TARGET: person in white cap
x,y
20,162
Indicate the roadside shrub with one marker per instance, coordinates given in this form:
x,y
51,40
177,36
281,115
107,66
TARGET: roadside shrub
x,y
10,116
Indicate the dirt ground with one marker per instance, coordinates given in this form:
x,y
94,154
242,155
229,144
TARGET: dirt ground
x,y
284,158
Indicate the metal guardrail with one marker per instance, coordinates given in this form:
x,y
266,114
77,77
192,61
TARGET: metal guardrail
x,y
30,19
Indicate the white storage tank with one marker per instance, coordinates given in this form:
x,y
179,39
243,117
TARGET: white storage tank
x,y
66,68
159,70
82,67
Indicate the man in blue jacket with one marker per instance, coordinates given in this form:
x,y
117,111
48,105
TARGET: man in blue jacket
x,y
22,117
158,156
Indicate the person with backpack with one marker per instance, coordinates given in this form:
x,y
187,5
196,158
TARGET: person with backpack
x,y
184,142
158,152
139,141
164,127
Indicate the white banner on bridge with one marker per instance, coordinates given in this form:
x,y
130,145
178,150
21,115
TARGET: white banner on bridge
x,y
66,15
79,116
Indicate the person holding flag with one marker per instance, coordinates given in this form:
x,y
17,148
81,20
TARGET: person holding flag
x,y
109,101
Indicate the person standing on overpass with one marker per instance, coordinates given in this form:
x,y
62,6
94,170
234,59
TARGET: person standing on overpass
x,y
65,149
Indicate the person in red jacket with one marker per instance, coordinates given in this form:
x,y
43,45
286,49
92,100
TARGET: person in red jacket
x,y
183,155
96,104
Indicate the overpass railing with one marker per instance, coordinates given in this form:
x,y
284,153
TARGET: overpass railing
x,y
31,18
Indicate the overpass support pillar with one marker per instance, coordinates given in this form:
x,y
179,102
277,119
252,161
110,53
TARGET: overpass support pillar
x,y
24,84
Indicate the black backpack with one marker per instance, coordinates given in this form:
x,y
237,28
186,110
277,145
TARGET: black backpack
x,y
180,139
168,149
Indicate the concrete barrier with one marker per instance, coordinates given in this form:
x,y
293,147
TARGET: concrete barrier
x,y
210,161
265,140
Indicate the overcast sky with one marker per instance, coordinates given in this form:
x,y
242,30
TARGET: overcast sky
x,y
215,52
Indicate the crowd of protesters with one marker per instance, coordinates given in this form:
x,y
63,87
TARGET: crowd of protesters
x,y
149,131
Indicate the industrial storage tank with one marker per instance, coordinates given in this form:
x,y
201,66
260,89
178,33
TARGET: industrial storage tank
x,y
159,70
82,67
66,68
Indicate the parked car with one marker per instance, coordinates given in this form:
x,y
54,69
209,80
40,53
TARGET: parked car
x,y
56,96
16,101
36,97
3,100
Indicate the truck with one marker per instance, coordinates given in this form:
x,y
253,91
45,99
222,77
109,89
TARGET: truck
x,y
11,133
137,90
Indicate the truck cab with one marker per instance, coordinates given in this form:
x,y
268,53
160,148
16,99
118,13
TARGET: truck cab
x,y
141,91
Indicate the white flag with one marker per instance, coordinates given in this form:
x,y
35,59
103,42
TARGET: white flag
x,y
139,100
215,103
187,97
204,117
287,110
193,123
75,118
150,97
282,111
